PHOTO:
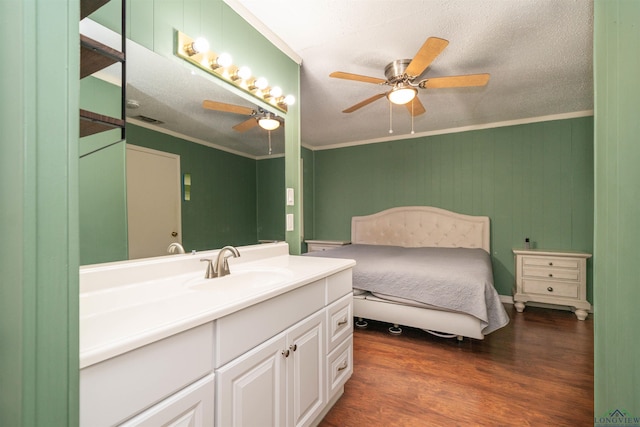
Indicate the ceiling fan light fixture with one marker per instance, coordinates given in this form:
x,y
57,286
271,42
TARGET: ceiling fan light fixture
x,y
402,94
268,123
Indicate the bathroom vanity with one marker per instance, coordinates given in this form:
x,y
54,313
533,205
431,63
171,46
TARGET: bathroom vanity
x,y
269,345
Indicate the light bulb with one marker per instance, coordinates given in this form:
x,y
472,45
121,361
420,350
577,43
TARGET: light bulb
x,y
268,123
275,92
224,60
199,45
289,100
244,72
401,94
261,83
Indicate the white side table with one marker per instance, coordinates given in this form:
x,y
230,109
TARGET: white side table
x,y
552,277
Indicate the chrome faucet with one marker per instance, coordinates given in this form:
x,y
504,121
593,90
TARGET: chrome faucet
x,y
221,266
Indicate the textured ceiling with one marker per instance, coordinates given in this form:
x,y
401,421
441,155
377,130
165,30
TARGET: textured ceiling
x,y
538,52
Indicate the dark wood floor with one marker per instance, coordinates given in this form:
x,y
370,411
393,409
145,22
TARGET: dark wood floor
x,y
537,371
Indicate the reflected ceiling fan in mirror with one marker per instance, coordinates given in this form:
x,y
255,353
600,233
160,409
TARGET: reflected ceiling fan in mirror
x,y
403,77
260,117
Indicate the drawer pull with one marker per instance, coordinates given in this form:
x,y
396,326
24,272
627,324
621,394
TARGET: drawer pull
x,y
550,264
550,275
342,322
343,367
550,289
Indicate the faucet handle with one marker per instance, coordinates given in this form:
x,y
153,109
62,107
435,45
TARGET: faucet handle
x,y
210,273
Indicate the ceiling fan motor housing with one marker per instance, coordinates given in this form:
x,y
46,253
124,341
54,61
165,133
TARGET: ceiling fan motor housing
x,y
395,71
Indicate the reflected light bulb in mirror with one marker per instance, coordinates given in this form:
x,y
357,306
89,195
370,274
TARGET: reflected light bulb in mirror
x,y
224,60
244,72
289,100
199,45
275,92
261,83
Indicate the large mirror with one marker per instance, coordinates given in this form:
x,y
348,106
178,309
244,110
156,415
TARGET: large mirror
x,y
235,172
172,91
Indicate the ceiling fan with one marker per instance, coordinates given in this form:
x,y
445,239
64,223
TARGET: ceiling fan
x,y
259,117
402,75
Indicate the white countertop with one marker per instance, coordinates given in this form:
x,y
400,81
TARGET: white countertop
x,y
123,306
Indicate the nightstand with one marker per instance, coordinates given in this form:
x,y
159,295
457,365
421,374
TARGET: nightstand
x,y
323,245
552,277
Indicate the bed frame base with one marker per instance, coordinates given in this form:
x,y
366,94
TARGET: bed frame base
x,y
446,323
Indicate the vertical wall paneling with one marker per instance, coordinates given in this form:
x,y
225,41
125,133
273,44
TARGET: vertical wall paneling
x,y
39,256
617,208
532,180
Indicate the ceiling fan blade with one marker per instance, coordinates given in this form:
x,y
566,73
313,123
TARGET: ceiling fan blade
x,y
357,77
250,123
415,107
363,103
229,108
427,53
455,81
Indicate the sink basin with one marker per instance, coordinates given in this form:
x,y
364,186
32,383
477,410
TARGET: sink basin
x,y
246,277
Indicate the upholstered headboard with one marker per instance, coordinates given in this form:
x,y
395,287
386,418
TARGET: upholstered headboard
x,y
421,226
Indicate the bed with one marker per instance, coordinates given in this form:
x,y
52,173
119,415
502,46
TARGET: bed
x,y
426,268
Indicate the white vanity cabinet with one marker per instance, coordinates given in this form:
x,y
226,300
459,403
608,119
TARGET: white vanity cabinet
x,y
279,383
157,352
285,380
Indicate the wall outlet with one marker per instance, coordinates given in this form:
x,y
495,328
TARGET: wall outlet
x,y
289,196
289,222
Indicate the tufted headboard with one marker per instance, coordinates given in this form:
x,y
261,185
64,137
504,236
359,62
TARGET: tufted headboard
x,y
421,226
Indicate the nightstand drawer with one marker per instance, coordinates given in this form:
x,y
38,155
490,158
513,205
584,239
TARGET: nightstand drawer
x,y
564,290
551,273
550,262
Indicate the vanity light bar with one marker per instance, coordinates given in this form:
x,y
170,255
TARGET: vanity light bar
x,y
221,66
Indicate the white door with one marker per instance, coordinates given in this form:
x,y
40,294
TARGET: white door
x,y
305,370
250,391
153,201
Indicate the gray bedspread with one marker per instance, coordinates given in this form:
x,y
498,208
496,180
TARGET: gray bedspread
x,y
457,279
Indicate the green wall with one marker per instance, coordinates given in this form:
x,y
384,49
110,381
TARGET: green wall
x,y
102,180
533,180
38,220
222,209
617,207
270,184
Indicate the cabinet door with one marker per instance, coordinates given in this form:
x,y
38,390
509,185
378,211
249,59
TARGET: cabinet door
x,y
250,391
305,370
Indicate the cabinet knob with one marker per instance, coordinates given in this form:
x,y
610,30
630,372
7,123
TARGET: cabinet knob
x,y
343,366
342,322
174,234
285,353
550,275
551,264
293,347
550,289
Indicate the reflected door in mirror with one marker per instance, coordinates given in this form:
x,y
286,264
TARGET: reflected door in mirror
x,y
153,201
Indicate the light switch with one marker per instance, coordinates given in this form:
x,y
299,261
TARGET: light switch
x,y
289,222
289,196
